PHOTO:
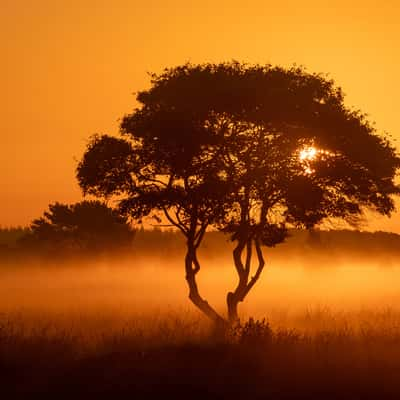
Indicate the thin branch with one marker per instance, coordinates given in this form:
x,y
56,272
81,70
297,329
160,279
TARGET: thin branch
x,y
177,216
170,180
163,225
153,180
170,219
200,234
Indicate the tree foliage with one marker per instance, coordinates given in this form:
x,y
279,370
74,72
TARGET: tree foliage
x,y
87,226
219,145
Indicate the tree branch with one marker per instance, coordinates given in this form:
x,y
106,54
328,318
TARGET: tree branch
x,y
170,219
200,234
248,256
194,295
237,257
261,264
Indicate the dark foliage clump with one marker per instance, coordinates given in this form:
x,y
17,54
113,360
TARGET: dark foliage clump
x,y
84,227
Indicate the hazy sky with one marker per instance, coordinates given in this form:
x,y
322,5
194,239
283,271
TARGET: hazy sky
x,y
70,68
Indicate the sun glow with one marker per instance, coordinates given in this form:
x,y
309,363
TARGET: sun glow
x,y
308,154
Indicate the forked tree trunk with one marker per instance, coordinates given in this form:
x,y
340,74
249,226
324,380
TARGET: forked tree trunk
x,y
192,267
244,285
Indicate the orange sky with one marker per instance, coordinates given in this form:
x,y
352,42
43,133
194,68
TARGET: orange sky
x,y
70,68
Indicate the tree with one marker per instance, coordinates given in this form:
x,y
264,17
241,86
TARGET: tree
x,y
249,150
85,226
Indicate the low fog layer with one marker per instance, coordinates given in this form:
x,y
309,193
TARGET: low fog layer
x,y
332,277
141,286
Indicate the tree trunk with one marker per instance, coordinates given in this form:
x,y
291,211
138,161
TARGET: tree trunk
x,y
232,303
233,298
192,267
244,285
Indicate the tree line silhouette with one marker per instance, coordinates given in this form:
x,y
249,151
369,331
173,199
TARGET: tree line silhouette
x,y
300,244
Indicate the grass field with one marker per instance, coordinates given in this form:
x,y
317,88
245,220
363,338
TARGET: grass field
x,y
355,355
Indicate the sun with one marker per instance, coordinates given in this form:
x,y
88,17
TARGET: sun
x,y
308,153
306,156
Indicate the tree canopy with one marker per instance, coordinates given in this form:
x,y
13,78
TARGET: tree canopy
x,y
87,226
221,145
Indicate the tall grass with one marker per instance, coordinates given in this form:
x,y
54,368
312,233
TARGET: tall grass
x,y
324,355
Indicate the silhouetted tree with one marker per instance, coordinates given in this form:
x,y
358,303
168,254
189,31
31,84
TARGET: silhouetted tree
x,y
223,145
87,226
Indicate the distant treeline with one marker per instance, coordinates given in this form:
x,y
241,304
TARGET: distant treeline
x,y
157,242
9,236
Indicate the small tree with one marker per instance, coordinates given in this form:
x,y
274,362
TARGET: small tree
x,y
249,150
87,226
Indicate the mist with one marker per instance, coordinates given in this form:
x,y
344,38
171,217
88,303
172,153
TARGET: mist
x,y
290,293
